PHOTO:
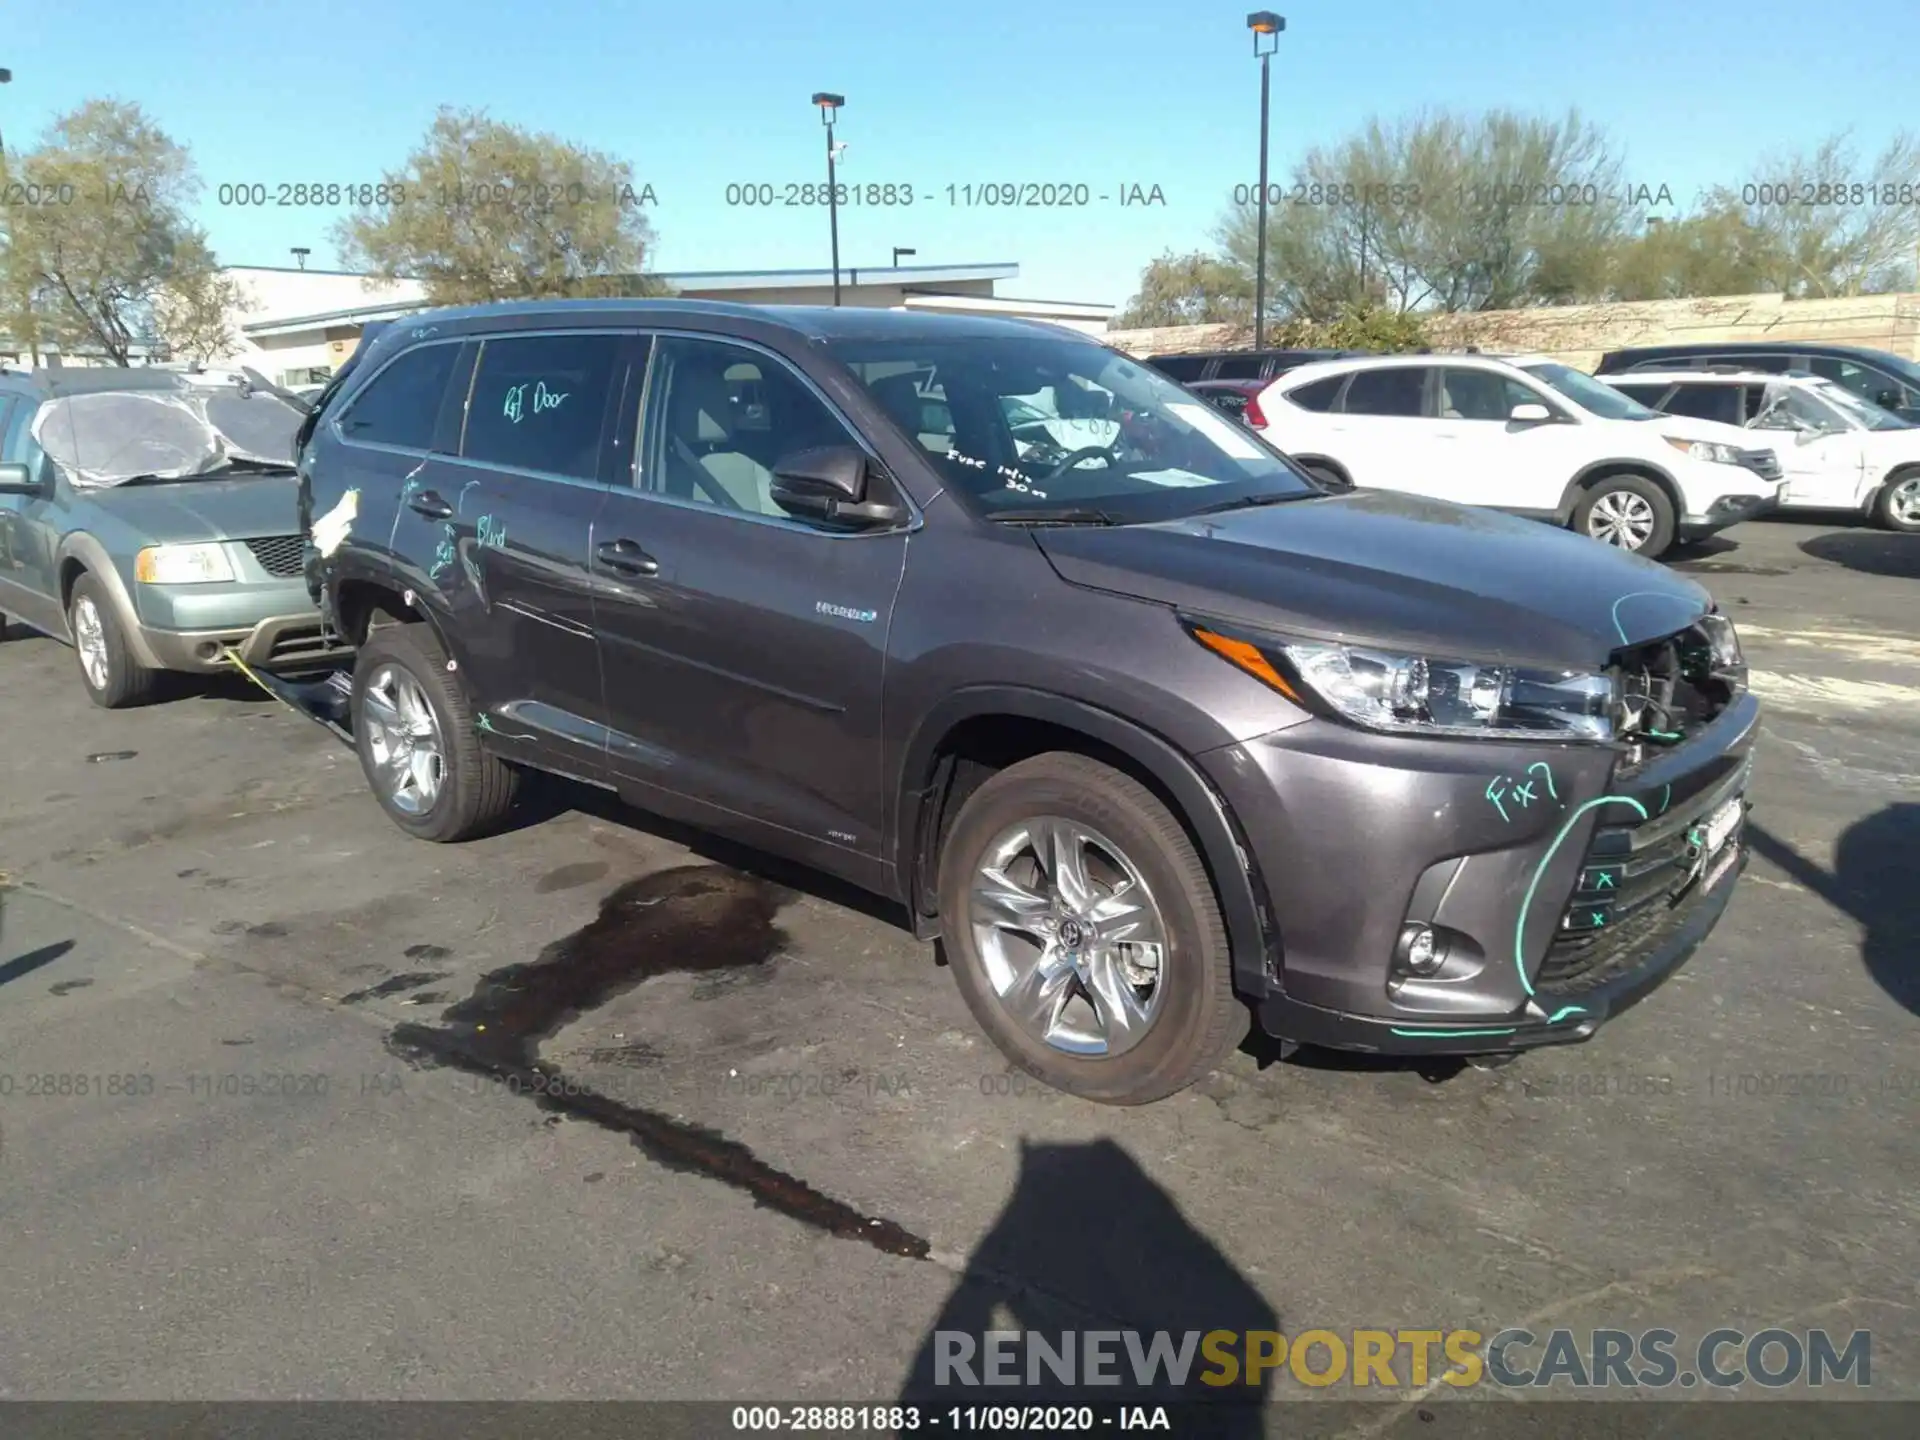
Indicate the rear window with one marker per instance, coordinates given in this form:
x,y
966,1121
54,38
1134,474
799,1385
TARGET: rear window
x,y
1240,367
539,402
1648,395
402,404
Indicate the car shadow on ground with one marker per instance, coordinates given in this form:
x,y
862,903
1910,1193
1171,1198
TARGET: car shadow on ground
x,y
1872,881
1088,1242
1869,552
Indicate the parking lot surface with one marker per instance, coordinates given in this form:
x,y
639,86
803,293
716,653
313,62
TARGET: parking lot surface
x,y
333,1142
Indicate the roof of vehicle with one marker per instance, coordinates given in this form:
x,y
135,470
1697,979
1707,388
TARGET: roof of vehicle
x,y
813,322
1250,387
1270,352
1320,369
1734,347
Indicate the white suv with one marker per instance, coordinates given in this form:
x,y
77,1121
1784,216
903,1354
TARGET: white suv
x,y
1837,451
1523,434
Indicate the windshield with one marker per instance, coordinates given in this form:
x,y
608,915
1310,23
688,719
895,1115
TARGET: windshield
x,y
118,437
1591,395
1038,426
1799,408
1861,411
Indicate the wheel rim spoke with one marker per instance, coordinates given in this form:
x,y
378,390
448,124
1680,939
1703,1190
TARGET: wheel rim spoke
x,y
1122,1016
1001,902
1041,993
1060,847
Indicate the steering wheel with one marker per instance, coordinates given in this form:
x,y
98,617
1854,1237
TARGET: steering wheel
x,y
1074,457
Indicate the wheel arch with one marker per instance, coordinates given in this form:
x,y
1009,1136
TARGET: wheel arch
x,y
82,554
1599,470
978,731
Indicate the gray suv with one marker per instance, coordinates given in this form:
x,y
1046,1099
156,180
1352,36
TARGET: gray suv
x,y
147,518
1144,726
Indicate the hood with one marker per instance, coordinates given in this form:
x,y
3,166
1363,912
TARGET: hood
x,y
249,507
1686,427
1394,570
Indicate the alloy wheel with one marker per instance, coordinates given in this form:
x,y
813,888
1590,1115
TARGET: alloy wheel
x,y
1072,941
1904,503
403,740
90,639
1621,518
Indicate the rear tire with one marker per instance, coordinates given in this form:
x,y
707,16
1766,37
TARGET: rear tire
x,y
1155,1036
1897,507
1628,512
417,741
114,679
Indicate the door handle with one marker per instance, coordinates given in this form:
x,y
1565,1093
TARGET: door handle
x,y
429,504
627,557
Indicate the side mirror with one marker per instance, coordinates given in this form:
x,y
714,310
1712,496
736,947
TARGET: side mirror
x,y
1888,400
829,483
1530,413
16,479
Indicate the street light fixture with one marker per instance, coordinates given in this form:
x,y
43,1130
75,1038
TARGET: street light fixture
x,y
300,254
829,105
1266,27
6,78
900,250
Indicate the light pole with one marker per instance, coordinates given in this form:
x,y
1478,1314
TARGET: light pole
x,y
1263,23
300,254
829,104
900,250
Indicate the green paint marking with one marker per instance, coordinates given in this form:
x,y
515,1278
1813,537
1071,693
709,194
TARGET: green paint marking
x,y
1564,1011
1646,595
1597,916
1606,880
1443,1034
1666,798
1520,925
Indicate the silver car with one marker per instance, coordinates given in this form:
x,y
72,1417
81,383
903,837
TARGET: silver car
x,y
148,518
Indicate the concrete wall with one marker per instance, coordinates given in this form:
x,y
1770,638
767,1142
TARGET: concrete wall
x,y
1580,334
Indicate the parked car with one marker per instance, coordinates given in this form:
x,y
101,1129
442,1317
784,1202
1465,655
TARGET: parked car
x,y
148,519
1522,434
1144,737
1238,364
1837,451
1237,398
1879,377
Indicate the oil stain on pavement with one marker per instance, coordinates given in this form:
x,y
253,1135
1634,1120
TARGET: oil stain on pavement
x,y
692,918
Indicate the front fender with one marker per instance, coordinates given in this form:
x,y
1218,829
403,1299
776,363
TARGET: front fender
x,y
83,548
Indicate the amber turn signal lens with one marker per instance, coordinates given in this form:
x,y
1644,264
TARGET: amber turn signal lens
x,y
1249,659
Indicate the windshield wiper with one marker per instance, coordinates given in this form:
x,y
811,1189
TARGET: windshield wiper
x,y
1248,502
1058,515
254,467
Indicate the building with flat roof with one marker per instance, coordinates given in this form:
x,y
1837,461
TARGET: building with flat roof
x,y
298,326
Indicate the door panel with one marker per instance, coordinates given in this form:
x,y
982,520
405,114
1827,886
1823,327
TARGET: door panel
x,y
512,556
1385,435
1491,459
30,526
744,650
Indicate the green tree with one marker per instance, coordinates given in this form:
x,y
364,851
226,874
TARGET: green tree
x,y
107,258
1716,250
1359,326
1837,226
1191,289
483,211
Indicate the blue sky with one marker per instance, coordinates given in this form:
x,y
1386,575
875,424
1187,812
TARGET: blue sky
x,y
1129,92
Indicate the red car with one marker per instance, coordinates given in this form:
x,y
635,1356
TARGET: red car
x,y
1238,398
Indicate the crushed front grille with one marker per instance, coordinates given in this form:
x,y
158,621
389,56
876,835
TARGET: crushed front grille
x,y
1669,689
279,555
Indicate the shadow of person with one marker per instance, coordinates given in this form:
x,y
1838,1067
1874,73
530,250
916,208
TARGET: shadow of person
x,y
1088,1243
1872,880
1868,552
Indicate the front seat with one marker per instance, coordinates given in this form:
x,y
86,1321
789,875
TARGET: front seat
x,y
703,406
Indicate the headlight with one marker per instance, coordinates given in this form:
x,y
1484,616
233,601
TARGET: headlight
x,y
1723,640
182,565
1706,450
1426,694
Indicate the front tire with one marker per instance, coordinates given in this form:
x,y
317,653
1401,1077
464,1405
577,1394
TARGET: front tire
x,y
1084,932
1898,505
1628,512
417,740
114,679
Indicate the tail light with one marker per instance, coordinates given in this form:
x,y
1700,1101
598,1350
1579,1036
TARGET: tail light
x,y
1253,415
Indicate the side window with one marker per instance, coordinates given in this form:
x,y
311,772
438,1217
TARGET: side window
x,y
402,404
1772,362
1870,385
1240,367
1753,399
1181,367
1481,395
1648,395
1707,402
1395,390
19,444
9,412
540,402
1319,396
722,416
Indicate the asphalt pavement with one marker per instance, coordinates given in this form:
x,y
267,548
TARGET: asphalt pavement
x,y
292,1106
